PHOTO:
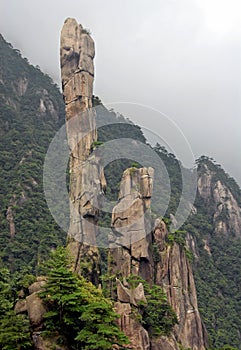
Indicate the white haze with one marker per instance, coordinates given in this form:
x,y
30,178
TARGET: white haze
x,y
182,58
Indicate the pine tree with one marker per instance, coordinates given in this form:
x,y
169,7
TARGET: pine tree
x,y
15,332
14,329
99,328
78,312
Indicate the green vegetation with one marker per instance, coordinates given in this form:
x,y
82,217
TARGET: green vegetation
x,y
217,275
15,332
14,329
158,316
77,310
25,136
85,31
96,144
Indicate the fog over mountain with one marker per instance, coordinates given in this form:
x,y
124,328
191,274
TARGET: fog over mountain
x,y
181,58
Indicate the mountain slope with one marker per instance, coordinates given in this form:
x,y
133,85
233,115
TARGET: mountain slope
x,y
216,229
31,111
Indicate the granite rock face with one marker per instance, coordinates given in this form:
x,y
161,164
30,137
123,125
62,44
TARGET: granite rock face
x,y
87,180
224,207
131,253
174,273
131,225
138,336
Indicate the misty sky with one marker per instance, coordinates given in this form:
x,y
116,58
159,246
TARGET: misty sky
x,y
180,57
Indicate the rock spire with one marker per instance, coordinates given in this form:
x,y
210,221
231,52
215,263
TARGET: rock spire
x,y
77,53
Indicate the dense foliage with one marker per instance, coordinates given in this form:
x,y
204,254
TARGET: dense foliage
x,y
26,132
14,329
77,310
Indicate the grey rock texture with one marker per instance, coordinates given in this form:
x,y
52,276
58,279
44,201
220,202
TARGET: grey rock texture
x,y
174,274
138,336
131,253
131,225
87,180
224,207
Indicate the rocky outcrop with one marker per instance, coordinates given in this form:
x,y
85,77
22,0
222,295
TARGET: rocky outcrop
x,y
129,252
138,336
133,296
173,272
136,249
165,343
20,86
131,225
10,219
31,304
86,175
224,208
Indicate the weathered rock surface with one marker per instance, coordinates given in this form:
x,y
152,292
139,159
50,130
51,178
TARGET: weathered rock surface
x,y
131,253
132,238
36,286
10,219
138,336
131,225
33,306
174,273
164,343
87,181
20,307
129,249
35,309
224,207
132,296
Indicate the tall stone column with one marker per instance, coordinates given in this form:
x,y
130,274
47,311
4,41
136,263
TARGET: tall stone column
x,y
87,181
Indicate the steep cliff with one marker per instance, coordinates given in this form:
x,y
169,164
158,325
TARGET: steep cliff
x,y
136,249
174,273
131,225
224,207
86,176
215,230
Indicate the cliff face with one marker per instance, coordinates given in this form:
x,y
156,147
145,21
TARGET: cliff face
x,y
174,273
131,225
226,212
86,176
144,252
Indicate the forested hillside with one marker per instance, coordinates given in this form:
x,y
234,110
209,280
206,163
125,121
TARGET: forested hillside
x,y
31,111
